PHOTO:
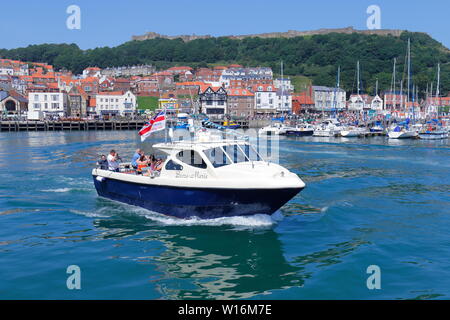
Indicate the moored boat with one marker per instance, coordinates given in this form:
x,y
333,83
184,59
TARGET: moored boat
x,y
301,130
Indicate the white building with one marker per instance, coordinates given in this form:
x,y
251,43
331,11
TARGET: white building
x,y
284,84
49,103
249,75
356,103
377,103
91,72
115,103
329,99
6,70
270,100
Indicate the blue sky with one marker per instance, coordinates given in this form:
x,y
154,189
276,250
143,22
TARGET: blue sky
x,y
110,23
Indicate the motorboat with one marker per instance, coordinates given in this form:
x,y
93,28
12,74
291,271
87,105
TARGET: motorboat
x,y
377,128
276,128
433,131
327,128
182,121
301,130
402,132
230,125
352,131
207,177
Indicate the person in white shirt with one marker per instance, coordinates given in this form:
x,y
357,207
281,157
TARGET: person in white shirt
x,y
113,161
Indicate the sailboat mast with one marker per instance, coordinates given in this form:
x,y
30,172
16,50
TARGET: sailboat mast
x,y
395,94
409,71
438,81
357,67
282,89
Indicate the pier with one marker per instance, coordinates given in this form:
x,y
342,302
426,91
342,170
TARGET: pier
x,y
12,126
100,125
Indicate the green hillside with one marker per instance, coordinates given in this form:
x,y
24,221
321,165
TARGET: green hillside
x,y
313,57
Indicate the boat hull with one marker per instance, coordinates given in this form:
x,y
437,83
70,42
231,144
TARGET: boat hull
x,y
433,135
205,203
402,135
299,133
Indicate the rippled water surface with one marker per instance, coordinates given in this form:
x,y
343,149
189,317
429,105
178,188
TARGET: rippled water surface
x,y
367,202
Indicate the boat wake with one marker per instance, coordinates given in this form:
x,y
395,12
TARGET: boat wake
x,y
252,221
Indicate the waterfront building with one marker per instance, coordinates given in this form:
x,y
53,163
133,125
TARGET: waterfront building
x,y
358,102
302,103
241,102
328,99
54,104
78,102
213,100
114,103
377,103
12,103
269,99
394,100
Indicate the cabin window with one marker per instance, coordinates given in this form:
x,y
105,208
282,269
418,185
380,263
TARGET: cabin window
x,y
218,157
171,165
192,158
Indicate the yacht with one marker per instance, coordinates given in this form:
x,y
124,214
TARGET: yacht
x,y
353,131
402,132
276,128
328,128
433,132
301,130
206,177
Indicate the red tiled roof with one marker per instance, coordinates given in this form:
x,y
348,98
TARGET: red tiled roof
x,y
265,87
110,93
240,92
190,83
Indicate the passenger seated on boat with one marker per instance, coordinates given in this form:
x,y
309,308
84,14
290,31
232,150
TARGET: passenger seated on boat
x,y
103,163
142,162
159,164
136,157
113,161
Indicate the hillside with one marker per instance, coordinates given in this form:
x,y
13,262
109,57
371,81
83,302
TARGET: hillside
x,y
314,56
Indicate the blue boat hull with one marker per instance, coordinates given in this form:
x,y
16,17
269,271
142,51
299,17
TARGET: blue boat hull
x,y
205,203
300,133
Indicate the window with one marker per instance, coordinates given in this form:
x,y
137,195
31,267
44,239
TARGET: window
x,y
55,97
192,158
171,165
218,157
36,97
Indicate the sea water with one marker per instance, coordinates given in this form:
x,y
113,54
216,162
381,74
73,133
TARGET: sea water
x,y
368,202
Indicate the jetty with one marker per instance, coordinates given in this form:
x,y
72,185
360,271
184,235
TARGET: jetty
x,y
101,125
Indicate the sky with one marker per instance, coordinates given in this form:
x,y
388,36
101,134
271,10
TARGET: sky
x,y
110,23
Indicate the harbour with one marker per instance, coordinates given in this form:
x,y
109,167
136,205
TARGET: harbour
x,y
375,201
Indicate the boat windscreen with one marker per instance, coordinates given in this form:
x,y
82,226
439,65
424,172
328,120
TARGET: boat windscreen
x,y
222,156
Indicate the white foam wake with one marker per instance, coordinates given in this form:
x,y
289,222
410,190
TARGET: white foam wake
x,y
252,221
57,190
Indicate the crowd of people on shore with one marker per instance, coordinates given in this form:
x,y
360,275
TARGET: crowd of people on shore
x,y
140,162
